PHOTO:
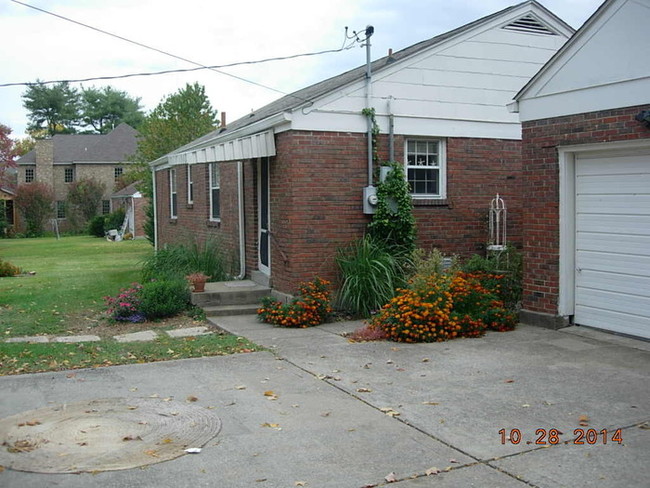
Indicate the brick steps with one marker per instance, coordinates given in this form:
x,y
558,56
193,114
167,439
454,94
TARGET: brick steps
x,y
230,298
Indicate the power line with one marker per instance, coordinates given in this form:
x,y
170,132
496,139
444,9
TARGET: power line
x,y
200,66
164,72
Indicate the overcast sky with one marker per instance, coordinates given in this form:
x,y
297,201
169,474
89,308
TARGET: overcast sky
x,y
216,32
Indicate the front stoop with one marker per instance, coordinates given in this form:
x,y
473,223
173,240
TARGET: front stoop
x,y
230,297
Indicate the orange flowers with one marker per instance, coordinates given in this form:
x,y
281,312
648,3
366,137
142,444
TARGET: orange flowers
x,y
310,307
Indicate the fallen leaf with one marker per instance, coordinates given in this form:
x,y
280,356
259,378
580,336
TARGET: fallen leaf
x,y
192,398
131,438
448,468
391,477
269,393
401,369
168,399
389,411
583,420
133,389
525,405
430,403
394,348
193,450
300,483
644,426
151,452
271,425
453,461
509,381
2,468
240,387
325,414
390,361
131,407
261,480
425,360
367,366
155,395
167,441
364,390
71,375
432,471
82,443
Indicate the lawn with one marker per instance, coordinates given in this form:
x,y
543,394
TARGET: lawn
x,y
73,274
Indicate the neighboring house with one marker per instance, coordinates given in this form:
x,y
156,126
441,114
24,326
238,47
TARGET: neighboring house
x,y
7,197
586,158
284,187
133,203
66,158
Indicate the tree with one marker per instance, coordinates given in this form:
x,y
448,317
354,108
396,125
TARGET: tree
x,y
105,108
179,119
7,158
54,108
84,197
35,202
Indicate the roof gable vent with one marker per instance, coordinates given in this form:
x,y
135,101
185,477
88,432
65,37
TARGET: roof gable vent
x,y
530,25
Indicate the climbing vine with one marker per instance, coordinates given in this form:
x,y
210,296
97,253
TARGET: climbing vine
x,y
393,221
370,113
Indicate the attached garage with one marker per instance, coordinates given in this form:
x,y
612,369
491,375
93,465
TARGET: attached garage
x,y
586,158
611,245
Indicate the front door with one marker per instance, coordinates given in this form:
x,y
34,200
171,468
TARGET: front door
x,y
264,212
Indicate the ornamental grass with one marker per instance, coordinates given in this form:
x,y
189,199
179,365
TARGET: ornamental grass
x,y
311,306
445,306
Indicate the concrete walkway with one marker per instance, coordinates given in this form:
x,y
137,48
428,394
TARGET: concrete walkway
x,y
141,336
323,412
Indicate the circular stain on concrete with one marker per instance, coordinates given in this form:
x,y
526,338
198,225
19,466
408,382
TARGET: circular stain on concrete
x,y
103,435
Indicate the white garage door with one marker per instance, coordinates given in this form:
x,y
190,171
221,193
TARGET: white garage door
x,y
612,257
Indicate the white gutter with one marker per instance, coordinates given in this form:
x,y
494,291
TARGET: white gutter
x,y
155,211
242,242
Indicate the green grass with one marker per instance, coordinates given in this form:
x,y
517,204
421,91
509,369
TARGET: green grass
x,y
72,277
21,358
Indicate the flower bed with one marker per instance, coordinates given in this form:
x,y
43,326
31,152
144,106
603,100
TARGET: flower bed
x,y
311,306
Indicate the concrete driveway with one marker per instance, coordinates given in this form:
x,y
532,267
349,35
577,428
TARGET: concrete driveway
x,y
504,410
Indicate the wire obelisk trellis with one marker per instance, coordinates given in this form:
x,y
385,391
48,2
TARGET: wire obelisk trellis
x,y
498,227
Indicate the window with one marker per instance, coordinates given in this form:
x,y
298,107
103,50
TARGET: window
x,y
29,175
118,172
173,202
425,168
68,175
106,207
190,186
60,209
215,188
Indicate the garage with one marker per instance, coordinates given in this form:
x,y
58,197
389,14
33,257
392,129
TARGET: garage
x,y
612,241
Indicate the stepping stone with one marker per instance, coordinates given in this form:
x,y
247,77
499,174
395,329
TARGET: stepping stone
x,y
188,332
28,339
145,335
79,338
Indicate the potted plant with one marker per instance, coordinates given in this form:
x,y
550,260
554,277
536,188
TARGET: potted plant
x,y
198,281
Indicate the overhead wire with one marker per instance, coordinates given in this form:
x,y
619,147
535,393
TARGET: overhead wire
x,y
181,58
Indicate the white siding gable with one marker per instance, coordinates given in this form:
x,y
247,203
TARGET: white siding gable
x,y
459,87
605,66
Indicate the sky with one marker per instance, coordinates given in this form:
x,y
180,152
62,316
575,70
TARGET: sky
x,y
216,32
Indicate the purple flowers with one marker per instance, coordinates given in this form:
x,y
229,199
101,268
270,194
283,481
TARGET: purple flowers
x,y
125,306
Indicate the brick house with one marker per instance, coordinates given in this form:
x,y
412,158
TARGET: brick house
x,y
68,157
7,198
586,164
286,186
133,202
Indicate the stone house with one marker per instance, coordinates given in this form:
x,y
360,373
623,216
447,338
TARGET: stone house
x,y
586,175
66,158
285,186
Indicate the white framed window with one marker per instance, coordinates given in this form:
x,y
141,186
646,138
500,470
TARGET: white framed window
x,y
190,185
425,168
117,172
215,190
106,207
60,209
68,175
29,175
173,197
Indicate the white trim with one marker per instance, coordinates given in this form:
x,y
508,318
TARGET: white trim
x,y
567,214
190,185
442,167
173,192
262,268
210,188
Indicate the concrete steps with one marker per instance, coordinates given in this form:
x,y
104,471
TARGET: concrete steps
x,y
230,298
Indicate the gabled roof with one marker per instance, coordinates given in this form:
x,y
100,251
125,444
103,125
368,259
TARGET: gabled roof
x,y
306,96
117,145
127,191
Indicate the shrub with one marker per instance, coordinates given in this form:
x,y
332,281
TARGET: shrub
x,y
370,275
177,261
442,307
8,269
426,264
126,306
96,226
160,299
84,196
35,201
310,307
114,220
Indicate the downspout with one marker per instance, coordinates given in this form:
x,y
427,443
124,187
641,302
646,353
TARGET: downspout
x,y
369,31
155,210
391,130
242,236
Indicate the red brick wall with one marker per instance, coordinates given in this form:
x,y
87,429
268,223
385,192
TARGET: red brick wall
x,y
541,191
316,201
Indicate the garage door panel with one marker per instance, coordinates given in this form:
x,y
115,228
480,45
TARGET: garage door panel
x,y
607,165
635,204
604,319
636,245
617,283
614,184
614,224
615,302
625,264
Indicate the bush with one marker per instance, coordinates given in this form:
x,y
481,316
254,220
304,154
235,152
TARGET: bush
x,y
442,307
310,307
160,299
8,269
114,220
126,306
84,197
35,201
370,274
96,226
177,261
